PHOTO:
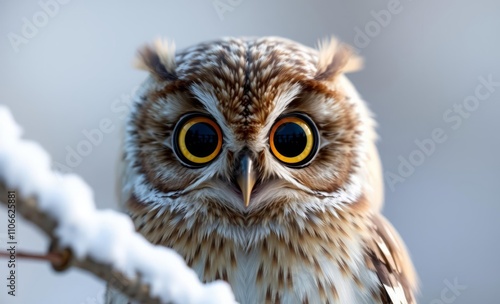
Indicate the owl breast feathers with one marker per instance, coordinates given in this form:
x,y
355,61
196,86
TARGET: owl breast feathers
x,y
255,159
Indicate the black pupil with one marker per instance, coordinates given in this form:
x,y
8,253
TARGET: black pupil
x,y
290,139
201,139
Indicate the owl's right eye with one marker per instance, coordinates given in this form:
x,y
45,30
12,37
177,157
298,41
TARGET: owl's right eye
x,y
197,139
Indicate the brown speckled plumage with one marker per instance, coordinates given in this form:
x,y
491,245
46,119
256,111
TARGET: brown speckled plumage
x,y
309,235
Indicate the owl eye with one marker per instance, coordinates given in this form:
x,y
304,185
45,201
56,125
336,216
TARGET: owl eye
x,y
294,140
197,140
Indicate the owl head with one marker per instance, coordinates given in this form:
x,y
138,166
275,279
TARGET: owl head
x,y
250,126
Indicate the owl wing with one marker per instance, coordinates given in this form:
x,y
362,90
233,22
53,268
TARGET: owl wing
x,y
388,258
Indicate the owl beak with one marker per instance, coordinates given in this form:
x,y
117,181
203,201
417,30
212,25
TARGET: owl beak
x,y
246,177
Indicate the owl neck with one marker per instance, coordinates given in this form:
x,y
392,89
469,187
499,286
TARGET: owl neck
x,y
162,225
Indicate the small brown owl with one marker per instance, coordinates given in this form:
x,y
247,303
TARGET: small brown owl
x,y
255,159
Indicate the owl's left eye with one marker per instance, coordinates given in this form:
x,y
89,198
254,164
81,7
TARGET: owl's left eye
x,y
197,139
294,140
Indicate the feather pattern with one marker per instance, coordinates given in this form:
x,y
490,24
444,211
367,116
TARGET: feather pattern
x,y
309,235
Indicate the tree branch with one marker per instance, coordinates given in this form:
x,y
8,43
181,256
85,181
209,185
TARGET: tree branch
x,y
131,287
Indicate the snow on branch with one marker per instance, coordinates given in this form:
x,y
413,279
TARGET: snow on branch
x,y
100,241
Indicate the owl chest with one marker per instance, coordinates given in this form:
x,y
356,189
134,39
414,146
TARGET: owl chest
x,y
276,271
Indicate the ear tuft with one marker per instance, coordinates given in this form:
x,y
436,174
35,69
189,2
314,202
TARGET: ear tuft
x,y
336,58
158,59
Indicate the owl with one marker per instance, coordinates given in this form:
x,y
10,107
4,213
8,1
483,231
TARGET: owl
x,y
255,159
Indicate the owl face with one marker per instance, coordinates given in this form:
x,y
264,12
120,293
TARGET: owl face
x,y
247,125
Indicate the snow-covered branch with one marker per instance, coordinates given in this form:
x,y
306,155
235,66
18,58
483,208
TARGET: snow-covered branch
x,y
100,241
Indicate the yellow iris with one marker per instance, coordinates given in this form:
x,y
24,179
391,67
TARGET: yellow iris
x,y
182,140
309,140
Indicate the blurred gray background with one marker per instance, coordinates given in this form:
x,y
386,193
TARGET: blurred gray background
x,y
65,68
